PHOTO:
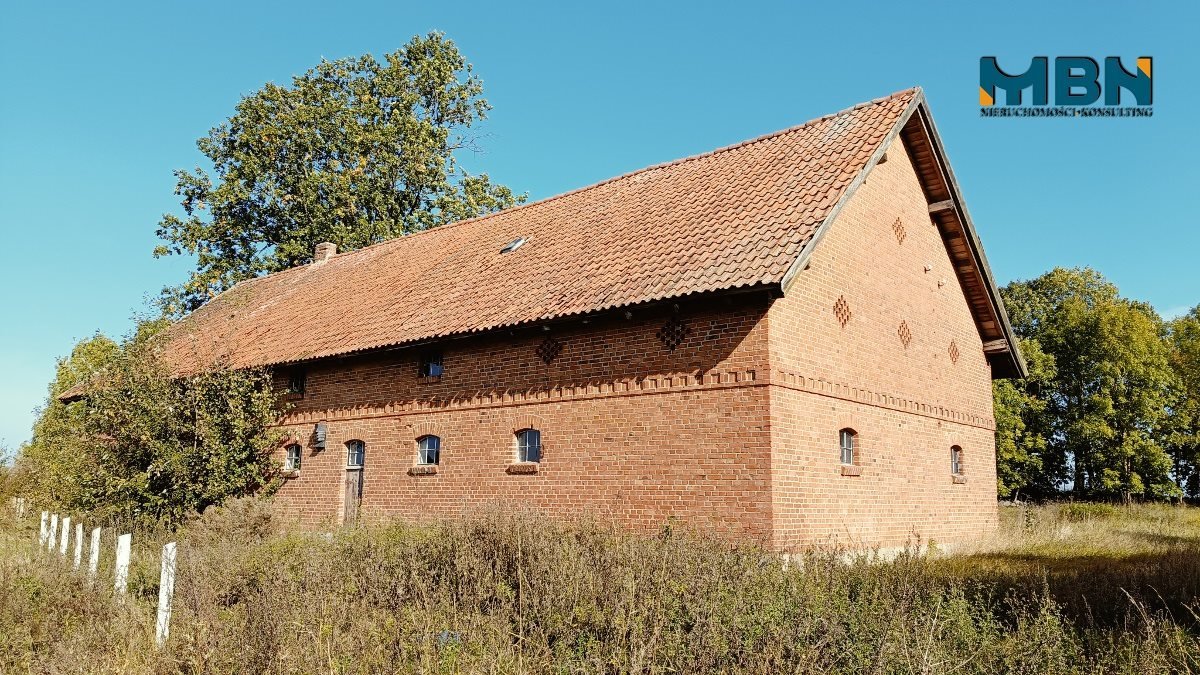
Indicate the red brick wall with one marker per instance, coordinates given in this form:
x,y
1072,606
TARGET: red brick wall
x,y
630,430
908,404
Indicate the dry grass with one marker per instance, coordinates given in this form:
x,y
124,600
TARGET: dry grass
x,y
1093,559
1069,589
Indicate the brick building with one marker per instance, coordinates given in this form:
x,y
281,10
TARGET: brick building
x,y
790,340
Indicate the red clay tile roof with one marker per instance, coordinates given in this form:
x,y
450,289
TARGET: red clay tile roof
x,y
734,217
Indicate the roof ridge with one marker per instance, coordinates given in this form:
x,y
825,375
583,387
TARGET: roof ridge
x,y
916,90
630,174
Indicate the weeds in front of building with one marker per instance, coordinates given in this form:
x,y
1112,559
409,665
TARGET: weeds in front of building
x,y
1061,589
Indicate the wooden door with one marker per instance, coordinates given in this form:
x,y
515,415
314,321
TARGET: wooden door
x,y
354,486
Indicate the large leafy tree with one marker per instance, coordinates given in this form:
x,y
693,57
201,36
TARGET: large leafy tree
x,y
1183,428
355,151
1104,409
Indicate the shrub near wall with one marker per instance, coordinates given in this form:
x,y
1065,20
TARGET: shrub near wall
x,y
143,447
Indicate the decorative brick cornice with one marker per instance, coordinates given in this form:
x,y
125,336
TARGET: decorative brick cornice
x,y
638,386
644,386
864,395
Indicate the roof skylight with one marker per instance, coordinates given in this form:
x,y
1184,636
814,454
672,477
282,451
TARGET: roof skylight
x,y
513,245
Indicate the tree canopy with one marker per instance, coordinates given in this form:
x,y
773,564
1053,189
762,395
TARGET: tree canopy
x,y
1093,416
1183,426
356,151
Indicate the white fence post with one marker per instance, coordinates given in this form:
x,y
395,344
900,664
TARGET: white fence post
x,y
78,544
94,555
65,538
166,590
53,539
122,576
45,531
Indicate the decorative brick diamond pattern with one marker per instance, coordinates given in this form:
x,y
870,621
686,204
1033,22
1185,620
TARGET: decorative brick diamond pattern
x,y
673,333
904,333
549,349
954,353
841,309
898,228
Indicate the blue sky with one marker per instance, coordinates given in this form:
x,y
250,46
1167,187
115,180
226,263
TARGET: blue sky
x,y
103,100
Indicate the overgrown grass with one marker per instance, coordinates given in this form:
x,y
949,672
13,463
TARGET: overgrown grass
x,y
1068,589
1104,565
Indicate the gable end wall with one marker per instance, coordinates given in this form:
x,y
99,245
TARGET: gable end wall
x,y
908,404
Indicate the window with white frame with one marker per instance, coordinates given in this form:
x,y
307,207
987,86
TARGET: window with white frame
x,y
356,452
956,464
429,449
529,445
848,441
292,463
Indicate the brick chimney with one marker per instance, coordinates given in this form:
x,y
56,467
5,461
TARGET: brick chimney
x,y
325,251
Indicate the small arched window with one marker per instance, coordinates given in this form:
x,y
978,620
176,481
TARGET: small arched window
x,y
848,442
956,463
529,445
429,449
356,452
294,454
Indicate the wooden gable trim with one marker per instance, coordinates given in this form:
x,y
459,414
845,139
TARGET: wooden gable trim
x,y
948,211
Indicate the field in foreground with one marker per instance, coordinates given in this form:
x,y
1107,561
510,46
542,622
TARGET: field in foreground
x,y
1060,589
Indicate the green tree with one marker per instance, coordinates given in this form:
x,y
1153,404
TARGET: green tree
x,y
1021,460
56,466
1183,429
143,445
1107,403
355,152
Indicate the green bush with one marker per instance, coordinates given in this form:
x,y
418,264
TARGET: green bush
x,y
144,447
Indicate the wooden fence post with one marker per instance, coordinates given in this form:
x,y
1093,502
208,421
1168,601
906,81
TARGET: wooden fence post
x,y
166,591
94,555
53,539
122,576
65,538
45,531
78,544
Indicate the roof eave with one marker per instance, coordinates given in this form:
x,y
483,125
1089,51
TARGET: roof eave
x,y
1006,363
652,305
